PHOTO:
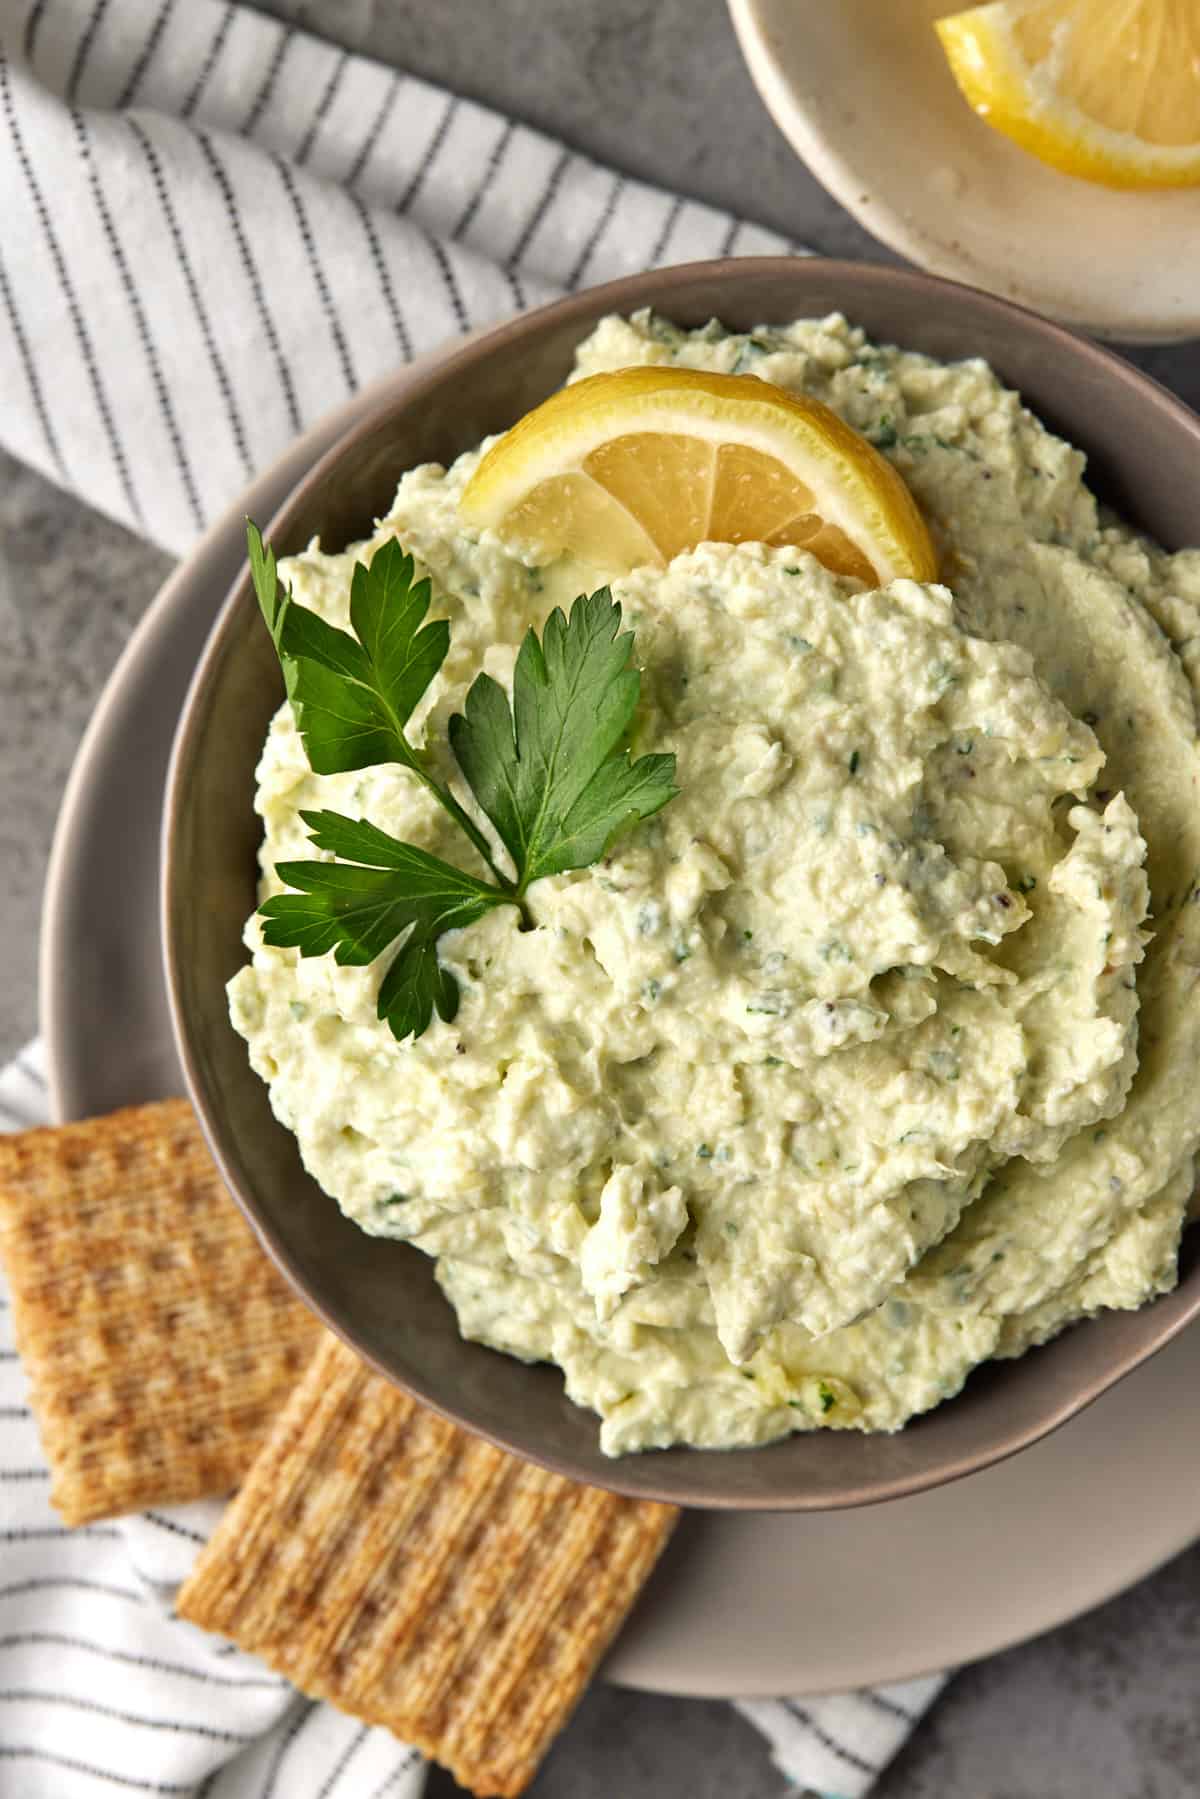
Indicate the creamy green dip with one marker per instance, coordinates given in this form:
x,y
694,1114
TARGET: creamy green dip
x,y
873,1055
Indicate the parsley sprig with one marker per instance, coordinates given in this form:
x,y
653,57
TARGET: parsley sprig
x,y
548,770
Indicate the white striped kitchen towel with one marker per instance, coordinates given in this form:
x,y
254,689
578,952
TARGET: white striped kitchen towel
x,y
214,227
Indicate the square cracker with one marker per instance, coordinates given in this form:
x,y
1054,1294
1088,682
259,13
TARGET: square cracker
x,y
159,1341
384,1559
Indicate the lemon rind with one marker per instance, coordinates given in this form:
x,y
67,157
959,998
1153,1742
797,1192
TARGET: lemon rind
x,y
1005,92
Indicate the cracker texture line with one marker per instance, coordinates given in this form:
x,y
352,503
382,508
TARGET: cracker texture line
x,y
159,1341
419,1578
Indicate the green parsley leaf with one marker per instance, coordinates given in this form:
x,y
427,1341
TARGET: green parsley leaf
x,y
358,906
547,771
353,696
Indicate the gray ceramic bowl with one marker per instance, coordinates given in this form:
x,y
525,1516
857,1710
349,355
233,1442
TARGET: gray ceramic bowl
x,y
1144,456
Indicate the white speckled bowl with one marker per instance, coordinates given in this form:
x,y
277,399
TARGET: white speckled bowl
x,y
381,1296
863,94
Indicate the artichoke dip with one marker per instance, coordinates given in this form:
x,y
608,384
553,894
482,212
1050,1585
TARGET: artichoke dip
x,y
873,1055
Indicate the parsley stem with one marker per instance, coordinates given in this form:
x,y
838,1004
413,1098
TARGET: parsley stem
x,y
463,819
449,804
416,762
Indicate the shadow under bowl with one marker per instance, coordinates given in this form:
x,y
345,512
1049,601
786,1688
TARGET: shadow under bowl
x,y
1143,448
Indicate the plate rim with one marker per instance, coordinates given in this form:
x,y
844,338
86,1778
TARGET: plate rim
x,y
624,1667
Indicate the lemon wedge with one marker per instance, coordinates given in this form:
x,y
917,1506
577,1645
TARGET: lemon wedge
x,y
630,468
1105,89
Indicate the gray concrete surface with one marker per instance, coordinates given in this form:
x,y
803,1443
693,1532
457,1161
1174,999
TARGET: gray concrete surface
x,y
72,586
1105,1708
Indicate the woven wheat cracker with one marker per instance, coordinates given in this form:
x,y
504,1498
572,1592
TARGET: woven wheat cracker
x,y
158,1339
418,1578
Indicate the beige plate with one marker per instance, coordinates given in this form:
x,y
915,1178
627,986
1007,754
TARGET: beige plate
x,y
862,92
747,1604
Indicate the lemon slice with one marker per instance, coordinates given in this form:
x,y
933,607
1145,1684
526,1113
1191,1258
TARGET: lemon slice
x,y
631,468
1105,89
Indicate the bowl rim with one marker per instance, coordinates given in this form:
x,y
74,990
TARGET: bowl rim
x,y
650,288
